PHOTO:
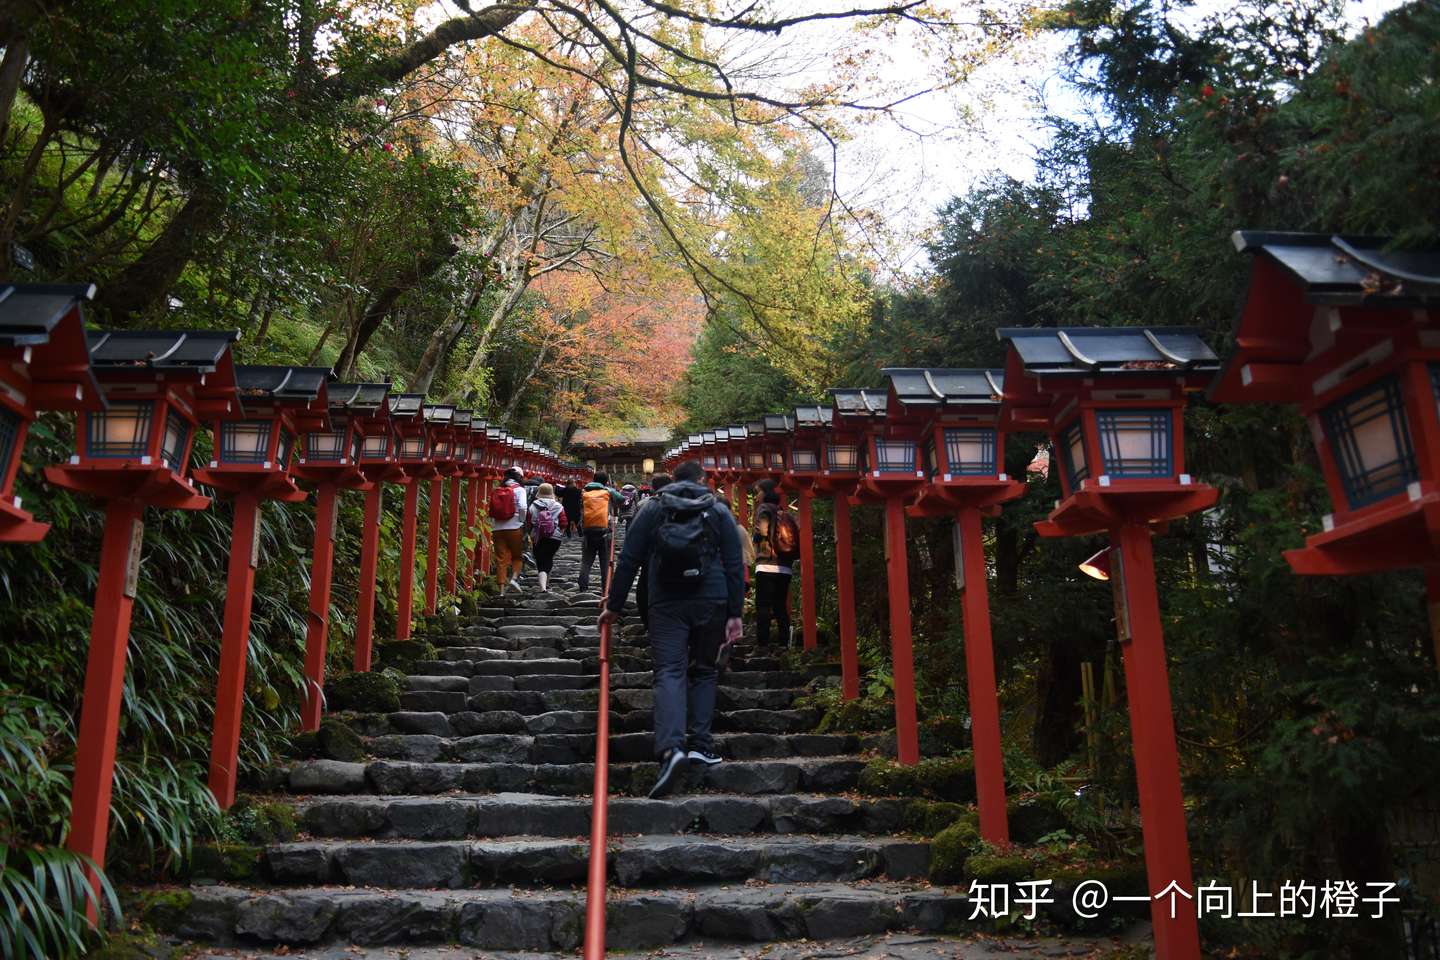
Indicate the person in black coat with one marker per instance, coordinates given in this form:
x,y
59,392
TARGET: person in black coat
x,y
573,501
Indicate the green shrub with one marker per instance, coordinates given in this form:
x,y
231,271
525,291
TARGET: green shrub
x,y
951,848
929,817
991,866
402,655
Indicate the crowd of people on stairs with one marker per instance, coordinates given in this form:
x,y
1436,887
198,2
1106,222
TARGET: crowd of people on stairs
x,y
691,564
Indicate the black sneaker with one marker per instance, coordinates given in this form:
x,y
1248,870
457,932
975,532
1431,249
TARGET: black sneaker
x,y
671,767
707,757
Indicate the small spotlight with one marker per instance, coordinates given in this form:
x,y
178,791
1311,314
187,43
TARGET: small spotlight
x,y
1098,566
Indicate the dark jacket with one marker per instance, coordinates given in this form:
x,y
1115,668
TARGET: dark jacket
x,y
725,581
572,499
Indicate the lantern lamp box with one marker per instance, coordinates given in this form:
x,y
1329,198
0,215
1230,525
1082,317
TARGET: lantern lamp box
x,y
255,445
44,365
1113,401
1349,330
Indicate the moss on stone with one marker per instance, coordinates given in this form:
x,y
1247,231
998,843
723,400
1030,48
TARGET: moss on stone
x,y
951,848
939,778
336,741
133,945
929,817
373,692
1033,818
164,909
402,655
988,866
260,823
224,861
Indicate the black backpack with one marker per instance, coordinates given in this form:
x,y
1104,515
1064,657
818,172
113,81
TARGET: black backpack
x,y
685,546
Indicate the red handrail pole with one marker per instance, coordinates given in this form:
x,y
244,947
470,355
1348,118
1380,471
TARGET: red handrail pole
x,y
600,795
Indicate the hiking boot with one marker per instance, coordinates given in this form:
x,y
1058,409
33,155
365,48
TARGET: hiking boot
x,y
671,767
708,757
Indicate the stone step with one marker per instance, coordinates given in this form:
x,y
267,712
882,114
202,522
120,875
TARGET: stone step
x,y
543,920
469,661
580,748
667,861
535,702
468,723
533,814
801,774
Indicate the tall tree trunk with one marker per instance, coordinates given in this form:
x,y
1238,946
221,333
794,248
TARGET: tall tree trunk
x,y
443,340
380,307
519,390
502,310
12,68
149,279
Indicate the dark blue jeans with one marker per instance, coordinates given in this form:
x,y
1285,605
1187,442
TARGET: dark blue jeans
x,y
684,638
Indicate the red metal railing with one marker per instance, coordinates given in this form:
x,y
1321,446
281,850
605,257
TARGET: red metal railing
x,y
600,792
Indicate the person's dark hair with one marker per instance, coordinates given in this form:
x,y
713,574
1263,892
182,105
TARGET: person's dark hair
x,y
688,472
603,479
514,473
659,480
771,496
765,486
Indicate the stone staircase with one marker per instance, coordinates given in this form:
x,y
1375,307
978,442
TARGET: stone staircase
x,y
469,821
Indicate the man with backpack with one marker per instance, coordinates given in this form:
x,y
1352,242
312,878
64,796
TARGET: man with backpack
x,y
776,535
598,504
690,548
507,520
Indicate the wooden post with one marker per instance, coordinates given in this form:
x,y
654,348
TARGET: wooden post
x,y
807,569
318,627
234,649
104,685
452,549
907,731
482,537
432,555
369,559
405,602
472,498
1432,607
980,676
845,599
1152,734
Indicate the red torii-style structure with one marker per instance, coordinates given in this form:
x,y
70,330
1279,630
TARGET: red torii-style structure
x,y
132,454
44,365
1350,332
330,459
251,463
1113,400
957,412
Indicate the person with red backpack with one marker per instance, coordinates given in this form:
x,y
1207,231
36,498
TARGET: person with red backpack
x,y
546,518
776,535
507,521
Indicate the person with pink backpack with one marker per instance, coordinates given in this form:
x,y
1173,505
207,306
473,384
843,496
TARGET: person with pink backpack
x,y
546,520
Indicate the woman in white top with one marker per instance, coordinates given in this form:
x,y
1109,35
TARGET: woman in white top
x,y
544,518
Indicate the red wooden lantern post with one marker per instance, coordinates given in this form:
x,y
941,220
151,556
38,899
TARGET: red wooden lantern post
x,y
891,474
964,455
407,416
733,458
802,469
330,459
44,365
490,475
1113,401
1351,333
473,495
840,478
439,417
460,471
252,463
379,464
133,454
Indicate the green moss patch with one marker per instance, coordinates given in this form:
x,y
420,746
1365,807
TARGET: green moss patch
x,y
941,778
373,692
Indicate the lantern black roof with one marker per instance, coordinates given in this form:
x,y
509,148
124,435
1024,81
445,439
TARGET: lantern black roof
x,y
778,423
264,382
479,425
755,428
738,431
1339,270
463,417
1110,350
365,399
814,416
181,351
722,434
918,386
407,405
440,414
29,312
853,402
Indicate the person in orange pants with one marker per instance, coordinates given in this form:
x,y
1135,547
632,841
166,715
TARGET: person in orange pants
x,y
509,533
